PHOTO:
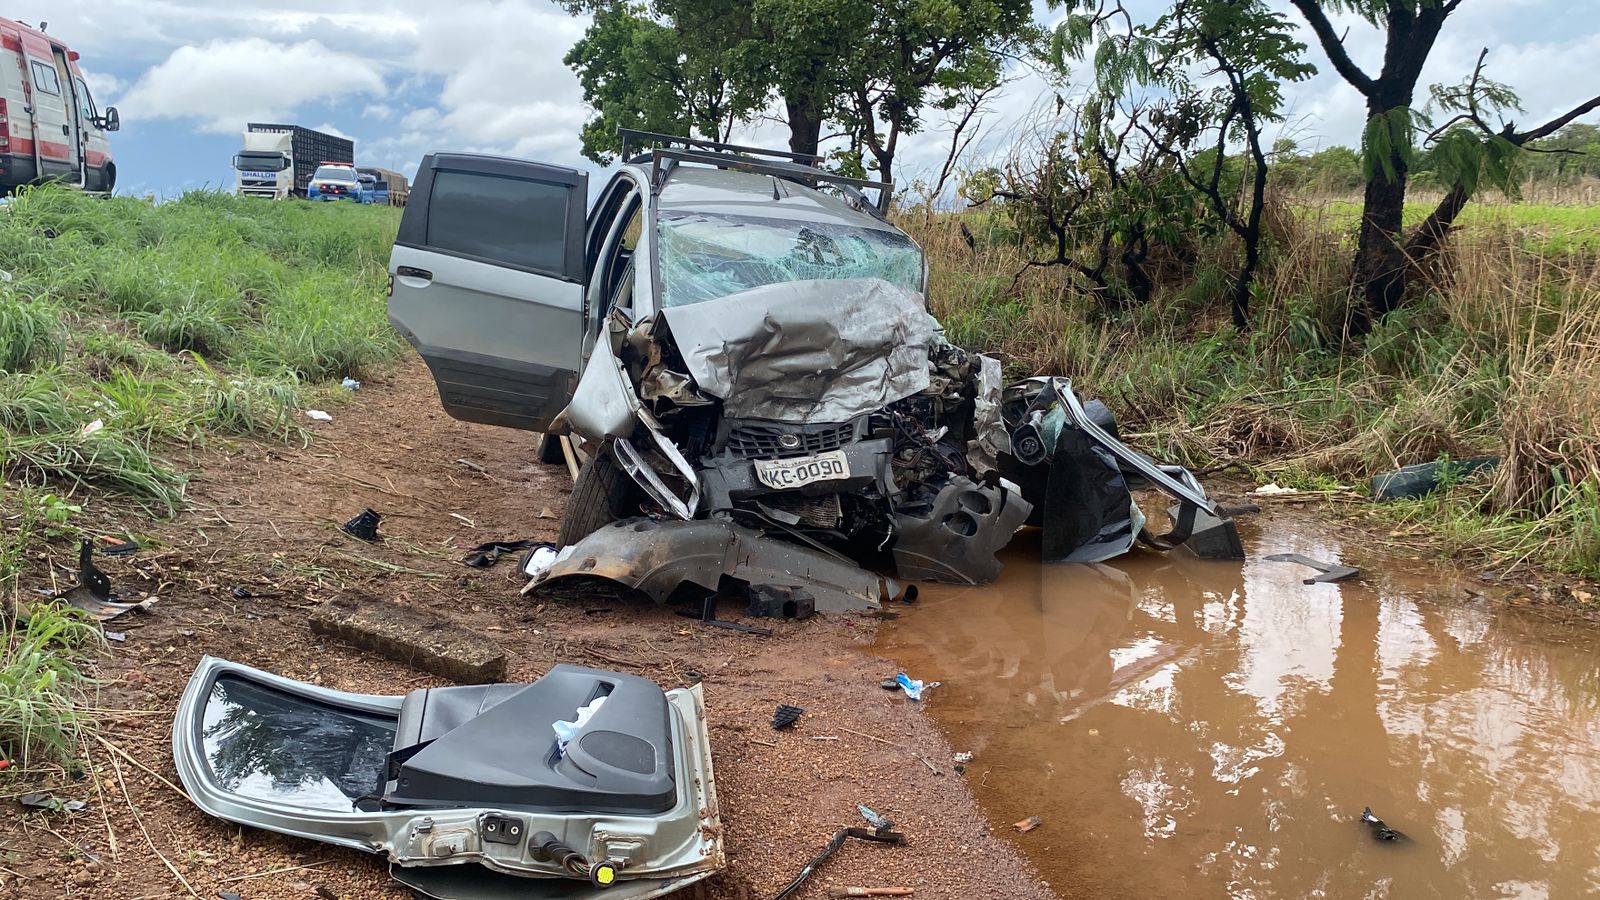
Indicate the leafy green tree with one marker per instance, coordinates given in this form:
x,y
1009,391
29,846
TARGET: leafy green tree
x,y
871,68
1384,257
1247,51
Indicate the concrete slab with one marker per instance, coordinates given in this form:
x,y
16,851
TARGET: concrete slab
x,y
417,638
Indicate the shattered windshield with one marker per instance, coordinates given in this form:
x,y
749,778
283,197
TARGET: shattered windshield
x,y
703,257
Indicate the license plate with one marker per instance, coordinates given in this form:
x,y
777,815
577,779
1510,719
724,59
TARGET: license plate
x,y
793,473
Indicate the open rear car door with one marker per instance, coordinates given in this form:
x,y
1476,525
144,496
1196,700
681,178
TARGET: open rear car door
x,y
486,282
443,777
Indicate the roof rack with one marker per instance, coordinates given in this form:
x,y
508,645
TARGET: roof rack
x,y
648,138
787,166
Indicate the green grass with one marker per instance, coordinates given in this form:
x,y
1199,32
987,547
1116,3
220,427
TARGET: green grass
x,y
1549,228
169,322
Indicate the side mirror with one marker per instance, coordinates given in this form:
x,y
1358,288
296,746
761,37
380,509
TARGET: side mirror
x,y
111,121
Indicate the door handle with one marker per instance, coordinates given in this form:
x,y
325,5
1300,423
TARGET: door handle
x,y
66,129
412,272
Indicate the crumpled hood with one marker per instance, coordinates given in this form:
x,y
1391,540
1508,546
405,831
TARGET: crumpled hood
x,y
806,351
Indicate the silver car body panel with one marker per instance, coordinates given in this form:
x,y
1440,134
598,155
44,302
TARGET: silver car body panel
x,y
680,845
657,557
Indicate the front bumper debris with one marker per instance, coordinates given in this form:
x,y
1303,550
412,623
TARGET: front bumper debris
x,y
955,537
656,558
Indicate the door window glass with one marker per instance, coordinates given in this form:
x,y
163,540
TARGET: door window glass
x,y
86,102
44,78
505,220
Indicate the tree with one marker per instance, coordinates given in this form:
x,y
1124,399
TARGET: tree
x,y
639,72
1470,151
1411,27
921,53
871,68
1245,51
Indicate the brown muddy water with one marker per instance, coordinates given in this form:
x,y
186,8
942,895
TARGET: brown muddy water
x,y
1192,728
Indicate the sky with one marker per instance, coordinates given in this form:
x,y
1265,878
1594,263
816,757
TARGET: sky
x,y
405,77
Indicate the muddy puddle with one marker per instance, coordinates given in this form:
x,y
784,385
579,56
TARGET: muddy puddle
x,y
1207,729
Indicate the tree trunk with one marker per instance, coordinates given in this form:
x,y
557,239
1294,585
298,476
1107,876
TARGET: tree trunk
x,y
805,123
1380,255
1424,245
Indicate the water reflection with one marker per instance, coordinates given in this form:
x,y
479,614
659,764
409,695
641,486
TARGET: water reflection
x,y
268,745
1186,726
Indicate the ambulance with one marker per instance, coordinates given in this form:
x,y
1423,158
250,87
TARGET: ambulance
x,y
50,125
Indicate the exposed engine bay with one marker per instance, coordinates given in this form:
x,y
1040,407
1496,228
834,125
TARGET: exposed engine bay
x,y
836,417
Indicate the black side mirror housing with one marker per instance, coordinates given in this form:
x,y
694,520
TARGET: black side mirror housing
x,y
111,121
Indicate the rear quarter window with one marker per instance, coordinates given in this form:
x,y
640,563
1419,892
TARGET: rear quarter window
x,y
507,220
44,78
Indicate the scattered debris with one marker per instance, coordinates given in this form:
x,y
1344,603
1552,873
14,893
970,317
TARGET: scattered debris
x,y
93,593
464,520
1331,572
882,832
241,593
117,547
776,601
890,684
786,716
871,892
539,560
229,895
1271,489
1028,824
1422,479
913,688
364,526
963,757
350,384
1380,831
91,428
318,415
414,637
51,803
485,555
873,818
472,465
118,636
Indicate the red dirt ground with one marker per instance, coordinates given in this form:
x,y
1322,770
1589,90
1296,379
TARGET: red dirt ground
x,y
265,518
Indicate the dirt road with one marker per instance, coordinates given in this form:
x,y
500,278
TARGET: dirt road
x,y
266,518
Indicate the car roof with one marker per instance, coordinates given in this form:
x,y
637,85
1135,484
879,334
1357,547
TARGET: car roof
x,y
729,192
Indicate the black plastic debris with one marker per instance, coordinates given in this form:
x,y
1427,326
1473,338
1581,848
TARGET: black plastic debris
x,y
890,684
229,895
776,601
1380,831
1422,479
240,593
485,555
111,546
882,833
786,716
51,803
365,526
1330,572
93,593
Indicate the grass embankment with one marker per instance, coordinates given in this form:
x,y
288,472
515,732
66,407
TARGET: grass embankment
x,y
169,325
1503,360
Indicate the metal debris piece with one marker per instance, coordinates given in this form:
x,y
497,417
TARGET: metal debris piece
x,y
93,593
1331,572
657,557
880,833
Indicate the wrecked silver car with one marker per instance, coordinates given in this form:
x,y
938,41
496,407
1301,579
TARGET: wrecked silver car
x,y
582,783
738,349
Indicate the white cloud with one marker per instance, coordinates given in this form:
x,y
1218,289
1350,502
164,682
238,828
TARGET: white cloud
x,y
223,84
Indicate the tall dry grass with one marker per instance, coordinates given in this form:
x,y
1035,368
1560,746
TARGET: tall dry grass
x,y
1502,358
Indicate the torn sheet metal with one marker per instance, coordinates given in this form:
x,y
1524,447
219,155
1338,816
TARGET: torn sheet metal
x,y
806,351
1328,572
987,423
604,404
657,557
954,539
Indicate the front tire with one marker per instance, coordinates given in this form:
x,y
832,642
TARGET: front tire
x,y
603,494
